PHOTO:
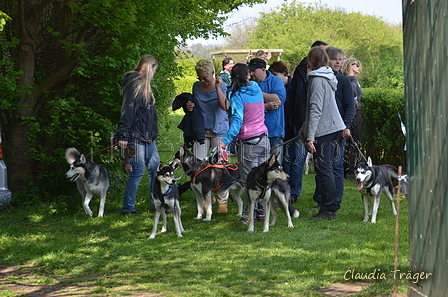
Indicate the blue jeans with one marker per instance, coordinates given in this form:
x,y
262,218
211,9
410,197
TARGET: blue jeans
x,y
274,141
293,163
145,155
325,159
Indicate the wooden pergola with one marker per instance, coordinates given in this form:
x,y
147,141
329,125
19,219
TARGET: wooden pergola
x,y
236,54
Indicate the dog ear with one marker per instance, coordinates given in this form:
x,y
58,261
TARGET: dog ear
x,y
271,160
82,158
174,165
369,162
160,166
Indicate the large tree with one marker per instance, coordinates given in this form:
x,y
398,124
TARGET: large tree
x,y
61,63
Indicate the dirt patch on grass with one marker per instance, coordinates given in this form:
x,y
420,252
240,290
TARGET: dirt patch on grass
x,y
31,281
347,289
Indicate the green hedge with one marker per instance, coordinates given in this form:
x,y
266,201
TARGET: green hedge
x,y
382,138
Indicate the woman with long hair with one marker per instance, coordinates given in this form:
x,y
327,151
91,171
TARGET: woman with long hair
x,y
138,129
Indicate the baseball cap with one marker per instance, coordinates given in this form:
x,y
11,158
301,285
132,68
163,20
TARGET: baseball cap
x,y
256,63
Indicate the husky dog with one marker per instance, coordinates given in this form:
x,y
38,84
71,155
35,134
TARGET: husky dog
x,y
166,199
207,178
91,179
372,181
268,182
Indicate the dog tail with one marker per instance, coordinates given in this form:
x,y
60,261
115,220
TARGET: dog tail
x,y
393,171
293,212
71,154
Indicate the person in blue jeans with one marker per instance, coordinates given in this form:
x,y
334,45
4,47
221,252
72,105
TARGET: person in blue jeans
x,y
294,154
138,129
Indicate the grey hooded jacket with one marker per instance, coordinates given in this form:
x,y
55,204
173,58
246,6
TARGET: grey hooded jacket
x,y
322,117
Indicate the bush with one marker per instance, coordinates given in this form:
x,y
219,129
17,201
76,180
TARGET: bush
x,y
382,138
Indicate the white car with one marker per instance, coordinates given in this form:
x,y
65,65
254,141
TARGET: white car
x,y
5,193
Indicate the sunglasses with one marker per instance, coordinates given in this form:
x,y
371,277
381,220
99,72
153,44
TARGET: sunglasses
x,y
203,78
357,65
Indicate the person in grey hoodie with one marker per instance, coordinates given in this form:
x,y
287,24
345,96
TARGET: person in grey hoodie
x,y
323,126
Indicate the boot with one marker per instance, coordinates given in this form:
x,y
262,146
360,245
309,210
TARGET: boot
x,y
222,208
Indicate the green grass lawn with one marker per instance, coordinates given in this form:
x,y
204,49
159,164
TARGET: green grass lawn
x,y
56,245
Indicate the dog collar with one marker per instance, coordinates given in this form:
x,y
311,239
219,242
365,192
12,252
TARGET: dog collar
x,y
91,176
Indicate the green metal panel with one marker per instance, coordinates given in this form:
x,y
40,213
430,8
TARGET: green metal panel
x,y
426,92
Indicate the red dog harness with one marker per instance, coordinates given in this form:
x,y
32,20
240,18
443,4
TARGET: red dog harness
x,y
220,166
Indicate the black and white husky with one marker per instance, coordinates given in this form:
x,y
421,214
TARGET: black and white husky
x,y
207,179
268,181
372,181
91,179
166,199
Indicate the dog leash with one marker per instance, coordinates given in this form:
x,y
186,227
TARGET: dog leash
x,y
130,149
286,142
359,150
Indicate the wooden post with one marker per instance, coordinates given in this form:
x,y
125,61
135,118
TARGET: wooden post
x,y
397,228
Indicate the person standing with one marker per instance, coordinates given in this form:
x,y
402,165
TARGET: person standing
x,y
322,129
209,96
138,129
247,128
294,152
295,113
274,95
227,65
351,68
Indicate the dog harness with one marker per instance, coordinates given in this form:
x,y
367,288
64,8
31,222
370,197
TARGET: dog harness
x,y
162,196
263,188
220,166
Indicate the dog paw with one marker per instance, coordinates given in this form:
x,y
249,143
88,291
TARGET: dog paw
x,y
207,220
151,237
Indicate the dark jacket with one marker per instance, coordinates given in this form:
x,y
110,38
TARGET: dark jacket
x,y
296,101
345,99
192,123
138,120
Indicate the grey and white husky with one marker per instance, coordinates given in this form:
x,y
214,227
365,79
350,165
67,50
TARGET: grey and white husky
x,y
372,181
91,179
268,182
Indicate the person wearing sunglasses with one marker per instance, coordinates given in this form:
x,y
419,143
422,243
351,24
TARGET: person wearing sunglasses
x,y
209,95
351,68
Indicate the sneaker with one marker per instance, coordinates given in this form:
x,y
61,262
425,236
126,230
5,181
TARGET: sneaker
x,y
131,213
245,220
325,215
